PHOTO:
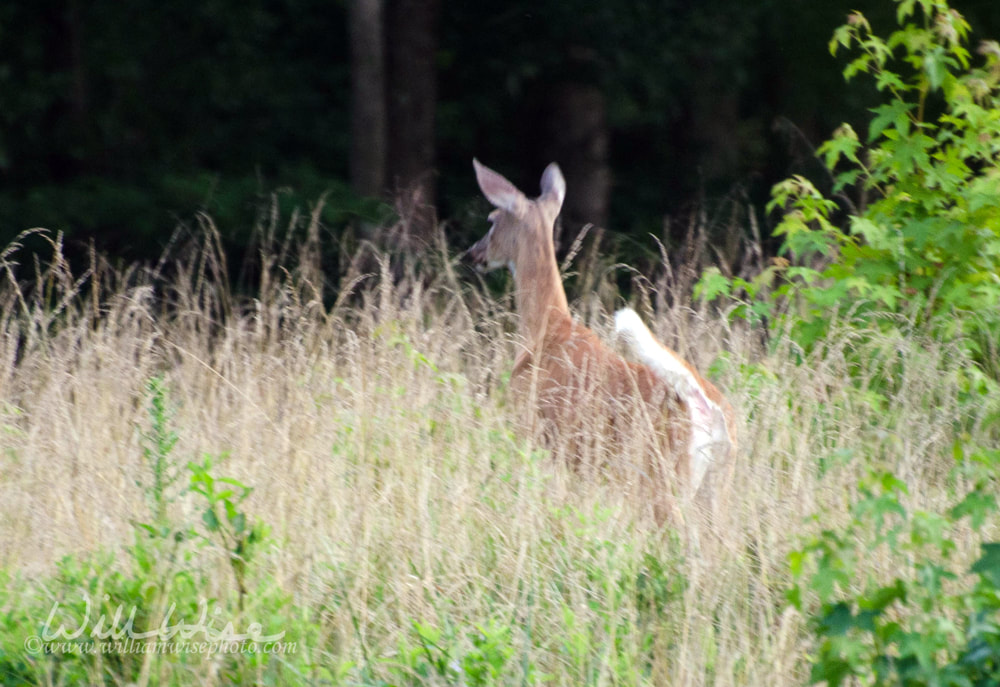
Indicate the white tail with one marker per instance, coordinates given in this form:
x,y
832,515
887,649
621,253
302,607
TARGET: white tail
x,y
564,361
711,434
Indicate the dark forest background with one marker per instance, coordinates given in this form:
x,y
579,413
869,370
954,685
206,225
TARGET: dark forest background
x,y
120,121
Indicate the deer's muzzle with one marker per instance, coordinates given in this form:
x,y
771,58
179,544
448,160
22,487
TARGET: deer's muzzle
x,y
476,255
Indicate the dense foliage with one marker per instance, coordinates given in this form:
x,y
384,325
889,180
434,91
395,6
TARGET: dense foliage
x,y
923,256
934,622
923,242
928,243
119,122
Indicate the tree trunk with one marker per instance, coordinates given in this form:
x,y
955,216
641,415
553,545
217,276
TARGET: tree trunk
x,y
79,91
368,105
715,119
70,119
412,99
579,141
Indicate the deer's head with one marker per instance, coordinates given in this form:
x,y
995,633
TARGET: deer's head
x,y
522,227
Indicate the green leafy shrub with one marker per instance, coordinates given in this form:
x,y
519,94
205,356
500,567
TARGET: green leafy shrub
x,y
445,656
95,619
225,523
927,246
920,257
932,623
929,243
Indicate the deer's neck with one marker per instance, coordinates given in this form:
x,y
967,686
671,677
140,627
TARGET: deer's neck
x,y
539,295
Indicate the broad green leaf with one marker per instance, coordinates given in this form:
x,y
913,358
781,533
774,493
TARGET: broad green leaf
x,y
841,37
837,620
904,10
977,506
988,565
887,79
210,519
884,596
936,67
843,144
239,523
876,235
712,285
830,670
895,114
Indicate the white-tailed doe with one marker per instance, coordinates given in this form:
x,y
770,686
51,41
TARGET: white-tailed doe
x,y
568,372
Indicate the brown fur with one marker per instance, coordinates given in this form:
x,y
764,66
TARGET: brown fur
x,y
576,382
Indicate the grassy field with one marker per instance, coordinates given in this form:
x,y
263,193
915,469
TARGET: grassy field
x,y
406,534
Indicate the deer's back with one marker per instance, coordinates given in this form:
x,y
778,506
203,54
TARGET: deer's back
x,y
581,387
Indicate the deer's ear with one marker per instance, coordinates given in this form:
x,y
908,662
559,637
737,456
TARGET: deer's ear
x,y
500,192
553,190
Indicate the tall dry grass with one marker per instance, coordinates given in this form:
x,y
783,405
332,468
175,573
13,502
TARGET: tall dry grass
x,y
379,439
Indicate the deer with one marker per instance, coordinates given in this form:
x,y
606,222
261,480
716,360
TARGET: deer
x,y
570,374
